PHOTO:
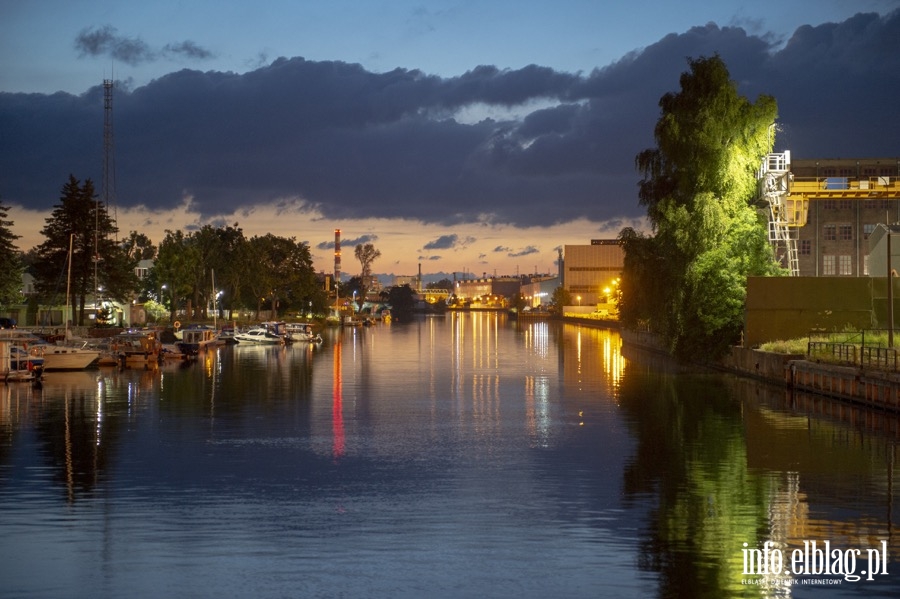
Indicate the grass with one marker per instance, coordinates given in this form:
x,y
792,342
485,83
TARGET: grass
x,y
869,338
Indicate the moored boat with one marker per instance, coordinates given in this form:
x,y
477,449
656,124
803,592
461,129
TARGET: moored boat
x,y
17,365
65,357
302,332
136,348
259,336
197,339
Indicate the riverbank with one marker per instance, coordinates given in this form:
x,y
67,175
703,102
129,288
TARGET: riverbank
x,y
873,388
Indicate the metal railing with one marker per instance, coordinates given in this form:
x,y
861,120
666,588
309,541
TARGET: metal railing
x,y
867,348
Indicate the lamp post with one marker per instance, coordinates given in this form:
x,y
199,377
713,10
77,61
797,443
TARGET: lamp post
x,y
890,291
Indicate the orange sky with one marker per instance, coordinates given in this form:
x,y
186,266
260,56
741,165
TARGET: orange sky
x,y
400,242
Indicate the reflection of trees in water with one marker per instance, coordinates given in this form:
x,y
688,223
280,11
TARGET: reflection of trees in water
x,y
79,434
691,458
730,461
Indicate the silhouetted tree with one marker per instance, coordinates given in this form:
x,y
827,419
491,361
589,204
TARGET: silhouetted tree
x,y
11,264
100,267
366,254
403,304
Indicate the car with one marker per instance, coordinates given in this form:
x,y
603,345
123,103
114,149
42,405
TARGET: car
x,y
7,323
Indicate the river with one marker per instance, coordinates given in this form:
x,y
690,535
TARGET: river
x,y
457,456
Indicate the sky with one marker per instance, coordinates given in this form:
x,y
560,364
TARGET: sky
x,y
465,136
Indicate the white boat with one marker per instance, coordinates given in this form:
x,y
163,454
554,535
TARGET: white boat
x,y
302,332
65,357
70,354
259,336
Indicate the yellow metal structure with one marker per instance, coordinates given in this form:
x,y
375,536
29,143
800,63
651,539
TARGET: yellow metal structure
x,y
845,188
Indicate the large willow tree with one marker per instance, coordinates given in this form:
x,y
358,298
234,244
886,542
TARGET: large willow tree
x,y
687,282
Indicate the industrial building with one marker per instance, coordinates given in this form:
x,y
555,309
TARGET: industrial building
x,y
823,211
591,273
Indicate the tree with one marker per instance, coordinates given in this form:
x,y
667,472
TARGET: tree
x,y
139,247
176,261
688,281
11,264
561,297
284,274
99,266
402,303
366,254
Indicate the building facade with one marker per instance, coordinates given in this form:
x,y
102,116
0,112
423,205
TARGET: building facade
x,y
847,199
591,272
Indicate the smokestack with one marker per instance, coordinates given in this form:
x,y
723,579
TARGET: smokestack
x,y
337,256
419,287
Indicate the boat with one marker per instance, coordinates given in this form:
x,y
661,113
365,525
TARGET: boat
x,y
65,356
69,354
302,332
350,321
196,339
226,335
17,365
136,348
259,336
171,352
52,356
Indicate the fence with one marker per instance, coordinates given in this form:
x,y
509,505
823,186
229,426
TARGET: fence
x,y
869,348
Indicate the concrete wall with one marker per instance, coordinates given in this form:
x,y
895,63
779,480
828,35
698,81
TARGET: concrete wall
x,y
791,307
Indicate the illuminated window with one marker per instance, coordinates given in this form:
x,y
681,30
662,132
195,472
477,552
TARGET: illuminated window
x,y
828,265
845,266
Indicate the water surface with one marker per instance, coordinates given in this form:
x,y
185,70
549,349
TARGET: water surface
x,y
458,456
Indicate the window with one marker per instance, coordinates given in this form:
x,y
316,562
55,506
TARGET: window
x,y
845,232
868,228
830,233
828,265
845,265
805,247
829,204
845,204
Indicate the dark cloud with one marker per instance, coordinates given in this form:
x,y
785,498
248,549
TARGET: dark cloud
x,y
187,49
348,243
333,137
106,42
525,252
443,242
511,253
446,242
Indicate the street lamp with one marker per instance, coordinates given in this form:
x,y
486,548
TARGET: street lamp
x,y
579,300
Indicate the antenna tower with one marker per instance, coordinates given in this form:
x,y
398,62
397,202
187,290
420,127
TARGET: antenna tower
x,y
109,158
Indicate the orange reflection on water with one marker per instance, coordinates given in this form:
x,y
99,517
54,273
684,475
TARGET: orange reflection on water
x,y
337,408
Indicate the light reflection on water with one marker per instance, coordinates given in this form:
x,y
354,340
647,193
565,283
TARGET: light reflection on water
x,y
458,456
